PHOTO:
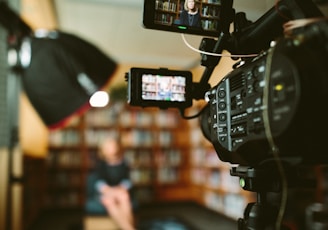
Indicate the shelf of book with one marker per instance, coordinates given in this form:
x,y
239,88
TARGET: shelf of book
x,y
34,189
65,182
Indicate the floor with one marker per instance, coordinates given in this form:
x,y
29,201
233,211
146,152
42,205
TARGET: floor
x,y
195,216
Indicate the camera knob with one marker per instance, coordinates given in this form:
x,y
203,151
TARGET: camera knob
x,y
222,105
222,117
126,76
256,86
221,94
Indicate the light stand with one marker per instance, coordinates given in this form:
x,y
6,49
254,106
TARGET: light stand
x,y
15,164
59,73
14,184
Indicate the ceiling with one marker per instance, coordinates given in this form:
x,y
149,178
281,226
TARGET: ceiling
x,y
115,26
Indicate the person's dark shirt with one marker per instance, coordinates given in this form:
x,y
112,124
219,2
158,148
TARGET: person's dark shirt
x,y
113,175
190,19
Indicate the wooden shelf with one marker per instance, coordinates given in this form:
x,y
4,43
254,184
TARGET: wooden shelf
x,y
170,159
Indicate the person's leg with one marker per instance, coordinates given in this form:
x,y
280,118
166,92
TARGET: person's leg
x,y
123,200
118,206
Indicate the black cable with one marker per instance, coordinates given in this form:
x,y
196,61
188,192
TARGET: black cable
x,y
193,116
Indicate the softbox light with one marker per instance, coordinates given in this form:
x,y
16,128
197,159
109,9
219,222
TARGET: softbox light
x,y
63,73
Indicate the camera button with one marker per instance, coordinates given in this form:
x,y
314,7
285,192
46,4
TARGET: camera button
x,y
221,93
222,105
222,117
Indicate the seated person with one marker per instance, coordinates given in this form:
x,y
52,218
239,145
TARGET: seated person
x,y
111,186
190,16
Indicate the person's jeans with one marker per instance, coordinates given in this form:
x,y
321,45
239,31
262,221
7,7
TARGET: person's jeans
x,y
94,207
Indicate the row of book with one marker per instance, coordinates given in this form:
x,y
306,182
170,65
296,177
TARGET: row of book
x,y
172,5
231,205
132,138
168,175
63,200
64,159
139,158
166,5
136,119
163,119
209,24
207,157
118,116
169,157
219,180
160,157
148,176
210,11
212,1
61,180
141,176
101,117
147,166
164,18
146,138
94,137
64,138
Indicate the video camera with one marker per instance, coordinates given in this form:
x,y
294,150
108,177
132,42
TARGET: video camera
x,y
283,87
279,92
269,107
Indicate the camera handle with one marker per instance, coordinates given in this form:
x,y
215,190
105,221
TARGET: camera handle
x,y
214,46
260,214
210,62
248,37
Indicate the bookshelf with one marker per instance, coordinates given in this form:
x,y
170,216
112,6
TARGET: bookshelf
x,y
170,159
153,142
167,12
65,181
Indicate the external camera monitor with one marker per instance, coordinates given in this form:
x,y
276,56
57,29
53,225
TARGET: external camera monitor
x,y
184,16
159,87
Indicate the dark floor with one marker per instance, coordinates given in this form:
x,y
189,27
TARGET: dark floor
x,y
193,215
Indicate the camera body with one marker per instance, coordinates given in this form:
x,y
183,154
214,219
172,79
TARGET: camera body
x,y
279,94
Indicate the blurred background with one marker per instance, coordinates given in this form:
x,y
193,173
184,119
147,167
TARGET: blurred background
x,y
171,161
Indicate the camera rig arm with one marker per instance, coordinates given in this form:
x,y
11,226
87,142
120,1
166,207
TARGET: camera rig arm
x,y
256,37
248,37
